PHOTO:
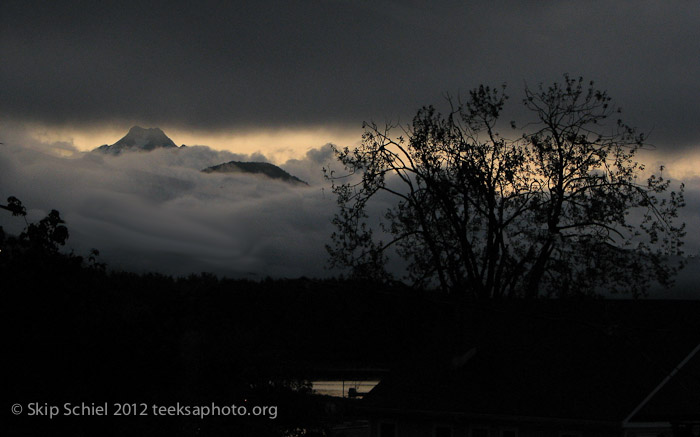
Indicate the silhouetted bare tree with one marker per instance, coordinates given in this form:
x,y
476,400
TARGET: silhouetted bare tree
x,y
561,210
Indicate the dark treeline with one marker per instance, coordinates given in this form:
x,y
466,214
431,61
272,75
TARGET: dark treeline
x,y
78,332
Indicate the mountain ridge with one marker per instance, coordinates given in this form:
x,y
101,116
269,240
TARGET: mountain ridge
x,y
264,168
139,139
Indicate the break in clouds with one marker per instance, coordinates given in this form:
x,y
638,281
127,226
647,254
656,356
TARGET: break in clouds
x,y
158,211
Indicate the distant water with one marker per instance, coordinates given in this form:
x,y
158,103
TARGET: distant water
x,y
341,388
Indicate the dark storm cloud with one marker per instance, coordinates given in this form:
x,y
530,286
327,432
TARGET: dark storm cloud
x,y
221,65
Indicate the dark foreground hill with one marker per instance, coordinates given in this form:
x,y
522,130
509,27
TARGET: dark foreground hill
x,y
80,334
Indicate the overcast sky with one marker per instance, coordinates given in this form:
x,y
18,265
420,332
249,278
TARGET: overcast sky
x,y
286,77
239,66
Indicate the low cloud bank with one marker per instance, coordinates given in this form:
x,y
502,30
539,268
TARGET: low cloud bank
x,y
158,211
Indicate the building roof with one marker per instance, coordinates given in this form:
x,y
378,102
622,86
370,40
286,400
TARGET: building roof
x,y
677,398
593,361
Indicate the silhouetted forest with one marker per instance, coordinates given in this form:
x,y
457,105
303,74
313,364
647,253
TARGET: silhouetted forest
x,y
78,332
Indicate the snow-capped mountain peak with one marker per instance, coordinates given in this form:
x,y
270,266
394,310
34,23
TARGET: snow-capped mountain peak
x,y
138,138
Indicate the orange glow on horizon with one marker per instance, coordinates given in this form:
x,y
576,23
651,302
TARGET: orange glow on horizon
x,y
278,145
